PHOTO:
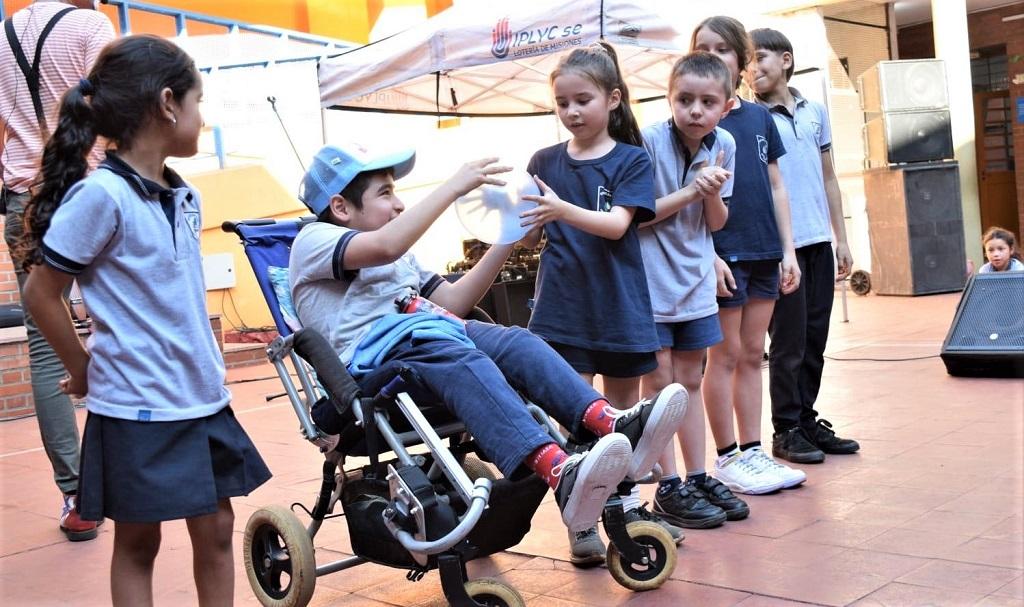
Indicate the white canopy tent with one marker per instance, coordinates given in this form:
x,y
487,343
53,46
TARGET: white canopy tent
x,y
493,59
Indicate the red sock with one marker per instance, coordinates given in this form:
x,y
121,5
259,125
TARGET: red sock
x,y
597,420
543,459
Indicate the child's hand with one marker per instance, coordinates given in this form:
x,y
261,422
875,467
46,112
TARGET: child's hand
x,y
844,261
711,178
75,386
724,277
549,207
475,174
789,275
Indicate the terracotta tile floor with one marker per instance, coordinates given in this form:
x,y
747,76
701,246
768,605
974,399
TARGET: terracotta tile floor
x,y
930,512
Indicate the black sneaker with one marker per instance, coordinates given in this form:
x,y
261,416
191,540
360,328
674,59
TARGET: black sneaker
x,y
643,514
719,495
793,445
825,438
586,548
650,424
587,480
687,506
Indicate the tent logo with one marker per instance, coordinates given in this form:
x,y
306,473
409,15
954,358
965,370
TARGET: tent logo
x,y
501,39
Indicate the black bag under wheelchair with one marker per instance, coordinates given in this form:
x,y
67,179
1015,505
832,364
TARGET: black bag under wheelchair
x,y
406,507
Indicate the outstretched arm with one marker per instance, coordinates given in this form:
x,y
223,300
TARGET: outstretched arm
x,y
460,296
611,224
385,245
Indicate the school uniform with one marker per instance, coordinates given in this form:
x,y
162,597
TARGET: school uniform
x,y
592,302
749,242
479,382
678,252
160,441
800,324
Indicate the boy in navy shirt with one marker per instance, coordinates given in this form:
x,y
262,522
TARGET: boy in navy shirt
x,y
799,327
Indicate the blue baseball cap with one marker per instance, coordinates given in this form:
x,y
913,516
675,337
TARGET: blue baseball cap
x,y
334,167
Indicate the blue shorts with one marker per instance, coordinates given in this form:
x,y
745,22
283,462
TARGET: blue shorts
x,y
612,364
690,335
758,279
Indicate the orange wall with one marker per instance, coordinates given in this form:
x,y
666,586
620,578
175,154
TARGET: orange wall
x,y
345,19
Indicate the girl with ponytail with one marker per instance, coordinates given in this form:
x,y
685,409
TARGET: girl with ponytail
x,y
160,440
592,303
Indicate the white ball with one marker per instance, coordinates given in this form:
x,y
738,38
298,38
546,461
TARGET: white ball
x,y
491,213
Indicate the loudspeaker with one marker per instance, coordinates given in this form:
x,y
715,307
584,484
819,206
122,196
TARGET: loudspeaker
x,y
513,301
893,86
915,222
986,338
915,136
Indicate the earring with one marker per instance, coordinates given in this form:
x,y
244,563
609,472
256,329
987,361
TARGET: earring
x,y
174,120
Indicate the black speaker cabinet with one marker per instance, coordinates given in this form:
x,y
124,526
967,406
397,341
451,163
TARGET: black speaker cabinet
x,y
915,222
894,86
986,338
912,136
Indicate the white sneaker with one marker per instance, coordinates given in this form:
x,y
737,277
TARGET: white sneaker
x,y
791,477
742,476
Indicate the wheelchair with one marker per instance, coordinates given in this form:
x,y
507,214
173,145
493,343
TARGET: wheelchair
x,y
436,508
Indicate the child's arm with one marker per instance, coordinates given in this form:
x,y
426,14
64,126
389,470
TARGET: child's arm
x,y
790,275
44,300
460,296
391,241
844,260
611,224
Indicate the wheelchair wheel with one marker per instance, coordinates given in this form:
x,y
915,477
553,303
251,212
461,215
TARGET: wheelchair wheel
x,y
491,592
279,558
860,282
474,469
662,557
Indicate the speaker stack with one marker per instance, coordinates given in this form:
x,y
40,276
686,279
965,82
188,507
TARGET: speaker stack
x,y
912,185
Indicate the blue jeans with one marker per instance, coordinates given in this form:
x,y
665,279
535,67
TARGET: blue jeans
x,y
482,387
54,411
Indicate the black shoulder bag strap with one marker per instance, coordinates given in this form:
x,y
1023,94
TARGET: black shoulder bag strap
x,y
31,72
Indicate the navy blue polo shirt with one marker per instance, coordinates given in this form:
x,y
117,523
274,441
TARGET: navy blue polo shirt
x,y
592,291
751,232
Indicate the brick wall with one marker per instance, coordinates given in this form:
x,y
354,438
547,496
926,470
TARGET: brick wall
x,y
984,29
15,384
8,282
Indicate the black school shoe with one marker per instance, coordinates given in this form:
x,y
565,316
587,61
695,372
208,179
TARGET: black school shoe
x,y
825,438
687,506
719,495
794,445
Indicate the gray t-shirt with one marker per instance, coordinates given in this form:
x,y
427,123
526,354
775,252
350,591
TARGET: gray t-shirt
x,y
805,134
343,304
134,249
679,253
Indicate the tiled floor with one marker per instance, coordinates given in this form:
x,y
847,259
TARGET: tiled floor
x,y
930,512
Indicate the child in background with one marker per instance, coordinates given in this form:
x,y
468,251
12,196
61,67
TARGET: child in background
x,y
592,303
753,246
799,326
693,161
1000,246
160,442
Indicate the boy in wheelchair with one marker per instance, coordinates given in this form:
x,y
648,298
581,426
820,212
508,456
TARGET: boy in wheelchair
x,y
348,269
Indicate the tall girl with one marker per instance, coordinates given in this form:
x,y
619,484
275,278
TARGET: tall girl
x,y
592,304
756,262
160,440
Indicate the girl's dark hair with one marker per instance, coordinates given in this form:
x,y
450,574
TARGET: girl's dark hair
x,y
774,40
704,65
734,35
121,96
599,64
1004,235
